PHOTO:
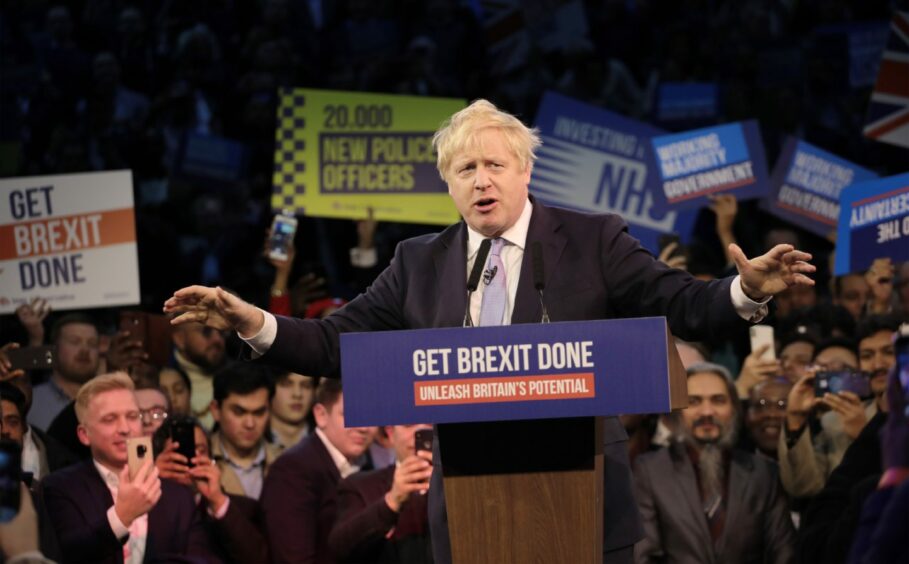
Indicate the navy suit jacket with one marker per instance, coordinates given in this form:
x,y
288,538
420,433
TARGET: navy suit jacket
x,y
77,500
298,503
592,270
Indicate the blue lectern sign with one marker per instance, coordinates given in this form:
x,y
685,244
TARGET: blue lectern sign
x,y
542,371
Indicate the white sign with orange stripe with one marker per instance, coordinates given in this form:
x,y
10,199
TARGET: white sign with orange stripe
x,y
70,239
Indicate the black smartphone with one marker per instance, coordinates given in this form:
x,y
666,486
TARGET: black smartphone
x,y
843,381
184,433
667,239
423,440
10,478
33,358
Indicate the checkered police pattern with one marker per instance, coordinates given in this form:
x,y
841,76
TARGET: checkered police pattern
x,y
290,152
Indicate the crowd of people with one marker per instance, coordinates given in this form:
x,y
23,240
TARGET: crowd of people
x,y
762,466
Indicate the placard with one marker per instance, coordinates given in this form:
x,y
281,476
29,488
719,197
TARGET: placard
x,y
339,153
594,160
874,223
694,165
806,185
513,372
69,239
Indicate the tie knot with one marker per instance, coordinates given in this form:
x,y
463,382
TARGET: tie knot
x,y
497,245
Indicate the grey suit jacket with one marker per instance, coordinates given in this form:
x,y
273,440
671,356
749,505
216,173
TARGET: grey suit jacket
x,y
758,526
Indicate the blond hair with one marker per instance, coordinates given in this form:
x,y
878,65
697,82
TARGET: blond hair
x,y
459,132
97,386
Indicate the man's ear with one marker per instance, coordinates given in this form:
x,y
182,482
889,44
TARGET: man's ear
x,y
82,434
215,410
320,414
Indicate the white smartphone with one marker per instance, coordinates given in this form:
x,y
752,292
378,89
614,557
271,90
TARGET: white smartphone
x,y
283,229
138,450
763,335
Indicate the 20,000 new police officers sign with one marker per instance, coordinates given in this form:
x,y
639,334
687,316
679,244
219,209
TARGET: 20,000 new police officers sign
x,y
339,153
69,239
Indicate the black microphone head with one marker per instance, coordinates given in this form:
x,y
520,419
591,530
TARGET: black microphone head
x,y
478,265
537,250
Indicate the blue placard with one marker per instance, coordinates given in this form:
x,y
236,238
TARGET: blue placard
x,y
697,164
874,223
806,184
597,161
532,371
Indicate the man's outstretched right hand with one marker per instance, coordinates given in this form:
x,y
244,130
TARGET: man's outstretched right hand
x,y
214,307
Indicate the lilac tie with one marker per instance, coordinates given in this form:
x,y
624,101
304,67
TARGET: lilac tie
x,y
495,294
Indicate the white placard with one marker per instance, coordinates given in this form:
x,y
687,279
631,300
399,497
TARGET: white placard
x,y
70,239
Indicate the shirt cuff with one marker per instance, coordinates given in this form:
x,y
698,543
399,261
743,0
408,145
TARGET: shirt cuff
x,y
262,341
748,309
363,258
220,513
116,525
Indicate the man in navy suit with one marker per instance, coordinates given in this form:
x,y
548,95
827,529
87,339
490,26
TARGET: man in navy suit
x,y
99,512
593,270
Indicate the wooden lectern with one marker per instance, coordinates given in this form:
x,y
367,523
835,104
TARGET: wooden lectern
x,y
521,489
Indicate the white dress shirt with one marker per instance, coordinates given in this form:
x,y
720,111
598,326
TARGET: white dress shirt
x,y
134,549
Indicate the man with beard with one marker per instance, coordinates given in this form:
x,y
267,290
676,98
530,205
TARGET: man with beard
x,y
723,505
76,338
199,352
806,461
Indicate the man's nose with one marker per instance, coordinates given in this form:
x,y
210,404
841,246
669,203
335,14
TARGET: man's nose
x,y
481,178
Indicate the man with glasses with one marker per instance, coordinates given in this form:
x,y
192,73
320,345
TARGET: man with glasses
x,y
766,415
153,409
199,351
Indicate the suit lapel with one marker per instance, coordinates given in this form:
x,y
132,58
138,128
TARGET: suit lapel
x,y
543,228
450,265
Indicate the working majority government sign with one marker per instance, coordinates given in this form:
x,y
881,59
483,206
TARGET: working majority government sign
x,y
339,153
874,223
69,239
806,185
697,164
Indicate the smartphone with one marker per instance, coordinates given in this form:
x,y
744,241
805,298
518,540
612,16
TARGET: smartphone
x,y
763,335
423,440
853,381
10,478
33,358
667,239
183,431
154,330
138,450
901,347
283,229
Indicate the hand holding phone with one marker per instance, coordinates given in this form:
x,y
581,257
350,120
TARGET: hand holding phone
x,y
281,237
183,432
762,336
423,440
138,451
858,383
31,358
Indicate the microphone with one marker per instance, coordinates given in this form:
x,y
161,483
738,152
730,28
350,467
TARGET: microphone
x,y
538,283
474,280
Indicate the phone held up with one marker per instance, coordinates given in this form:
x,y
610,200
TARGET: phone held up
x,y
10,478
138,450
423,440
859,383
762,335
183,432
33,358
283,229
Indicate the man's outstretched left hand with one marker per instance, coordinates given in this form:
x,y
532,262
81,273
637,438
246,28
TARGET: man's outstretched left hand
x,y
773,272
